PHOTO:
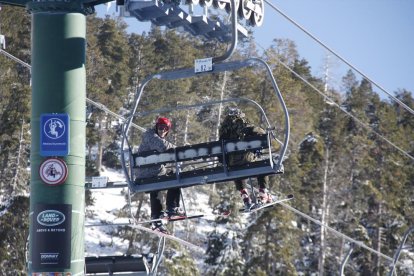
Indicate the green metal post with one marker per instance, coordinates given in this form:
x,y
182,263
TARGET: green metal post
x,y
58,86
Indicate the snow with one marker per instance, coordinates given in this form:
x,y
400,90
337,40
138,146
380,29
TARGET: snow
x,y
101,241
4,206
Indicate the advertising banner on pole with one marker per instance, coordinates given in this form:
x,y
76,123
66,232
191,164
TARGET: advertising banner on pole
x,y
51,236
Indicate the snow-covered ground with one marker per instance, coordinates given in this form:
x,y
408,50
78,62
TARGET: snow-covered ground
x,y
100,241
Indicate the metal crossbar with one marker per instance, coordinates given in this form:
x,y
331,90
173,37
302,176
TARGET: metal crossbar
x,y
209,153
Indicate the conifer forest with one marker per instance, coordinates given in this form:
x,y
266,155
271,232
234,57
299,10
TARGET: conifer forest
x,y
349,162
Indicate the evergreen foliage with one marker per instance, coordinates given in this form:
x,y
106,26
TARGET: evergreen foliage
x,y
340,172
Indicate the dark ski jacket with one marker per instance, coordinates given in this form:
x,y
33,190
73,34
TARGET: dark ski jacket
x,y
238,127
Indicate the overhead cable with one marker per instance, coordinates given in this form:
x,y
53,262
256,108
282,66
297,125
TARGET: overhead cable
x,y
348,113
108,111
15,59
406,107
359,243
98,105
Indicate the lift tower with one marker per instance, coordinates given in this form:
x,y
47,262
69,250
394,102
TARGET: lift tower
x,y
57,158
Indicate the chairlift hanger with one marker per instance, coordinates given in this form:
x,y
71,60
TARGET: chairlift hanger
x,y
189,73
240,99
170,14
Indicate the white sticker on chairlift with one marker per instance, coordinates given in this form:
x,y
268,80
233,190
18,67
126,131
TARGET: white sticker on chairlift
x,y
203,65
99,181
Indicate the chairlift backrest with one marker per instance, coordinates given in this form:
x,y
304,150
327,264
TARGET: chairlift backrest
x,y
211,165
202,150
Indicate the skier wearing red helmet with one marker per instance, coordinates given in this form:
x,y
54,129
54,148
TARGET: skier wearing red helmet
x,y
163,121
154,139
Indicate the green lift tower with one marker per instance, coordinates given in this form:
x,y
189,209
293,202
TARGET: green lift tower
x,y
58,135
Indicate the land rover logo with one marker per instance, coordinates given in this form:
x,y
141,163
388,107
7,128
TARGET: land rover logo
x,y
50,218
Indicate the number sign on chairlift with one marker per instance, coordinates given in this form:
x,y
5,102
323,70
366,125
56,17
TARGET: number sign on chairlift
x,y
99,181
203,65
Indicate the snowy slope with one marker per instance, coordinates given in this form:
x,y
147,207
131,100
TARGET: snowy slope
x,y
99,240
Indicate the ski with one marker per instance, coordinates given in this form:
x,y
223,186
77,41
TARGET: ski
x,y
170,237
222,215
177,218
166,219
260,207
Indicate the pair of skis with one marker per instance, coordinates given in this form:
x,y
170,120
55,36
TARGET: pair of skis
x,y
138,225
168,236
255,208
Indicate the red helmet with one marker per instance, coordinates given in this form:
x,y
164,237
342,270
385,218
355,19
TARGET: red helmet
x,y
163,121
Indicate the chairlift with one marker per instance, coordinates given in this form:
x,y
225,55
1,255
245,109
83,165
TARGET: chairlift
x,y
204,152
206,156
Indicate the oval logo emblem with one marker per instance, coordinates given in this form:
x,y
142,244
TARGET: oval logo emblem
x,y
50,218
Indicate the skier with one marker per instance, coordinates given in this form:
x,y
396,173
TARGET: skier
x,y
236,126
154,139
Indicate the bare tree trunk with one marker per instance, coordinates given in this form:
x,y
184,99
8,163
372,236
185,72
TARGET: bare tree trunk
x,y
140,200
99,155
321,262
378,242
223,88
187,119
101,143
19,153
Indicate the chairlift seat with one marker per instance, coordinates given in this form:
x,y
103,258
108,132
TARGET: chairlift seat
x,y
147,10
200,25
113,264
172,16
206,174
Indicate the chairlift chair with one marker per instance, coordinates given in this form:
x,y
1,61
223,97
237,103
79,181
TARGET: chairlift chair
x,y
204,152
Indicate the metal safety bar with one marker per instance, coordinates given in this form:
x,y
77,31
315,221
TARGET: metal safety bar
x,y
345,260
397,254
189,73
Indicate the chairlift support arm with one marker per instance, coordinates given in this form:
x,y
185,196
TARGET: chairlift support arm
x,y
397,254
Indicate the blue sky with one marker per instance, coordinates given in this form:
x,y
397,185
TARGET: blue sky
x,y
375,36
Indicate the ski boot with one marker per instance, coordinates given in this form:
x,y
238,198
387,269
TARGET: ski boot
x,y
264,196
246,200
158,226
175,212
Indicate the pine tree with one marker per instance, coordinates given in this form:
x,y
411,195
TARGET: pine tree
x,y
13,244
107,65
